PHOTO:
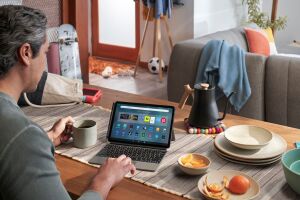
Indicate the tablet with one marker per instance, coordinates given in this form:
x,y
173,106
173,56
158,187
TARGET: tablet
x,y
141,124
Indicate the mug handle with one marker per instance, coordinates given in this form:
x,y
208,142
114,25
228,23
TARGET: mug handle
x,y
187,92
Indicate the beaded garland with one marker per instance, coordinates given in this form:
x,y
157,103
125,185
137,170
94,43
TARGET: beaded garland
x,y
219,128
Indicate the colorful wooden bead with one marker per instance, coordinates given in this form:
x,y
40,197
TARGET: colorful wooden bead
x,y
213,130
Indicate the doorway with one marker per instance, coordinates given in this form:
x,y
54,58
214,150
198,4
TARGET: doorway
x,y
116,29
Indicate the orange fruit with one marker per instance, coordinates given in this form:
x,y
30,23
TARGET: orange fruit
x,y
239,185
186,159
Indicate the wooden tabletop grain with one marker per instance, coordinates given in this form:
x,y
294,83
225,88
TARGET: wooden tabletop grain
x,y
76,176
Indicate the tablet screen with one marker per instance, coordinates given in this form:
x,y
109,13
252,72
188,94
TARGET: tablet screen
x,y
142,124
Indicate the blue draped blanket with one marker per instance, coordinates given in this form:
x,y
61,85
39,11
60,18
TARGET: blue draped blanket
x,y
224,66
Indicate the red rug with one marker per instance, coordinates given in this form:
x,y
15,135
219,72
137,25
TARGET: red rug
x,y
97,65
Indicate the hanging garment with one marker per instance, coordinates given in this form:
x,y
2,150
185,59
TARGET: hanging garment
x,y
162,7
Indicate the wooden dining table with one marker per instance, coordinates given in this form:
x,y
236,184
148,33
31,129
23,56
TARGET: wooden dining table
x,y
76,176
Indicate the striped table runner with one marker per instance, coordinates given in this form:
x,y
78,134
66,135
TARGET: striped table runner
x,y
168,177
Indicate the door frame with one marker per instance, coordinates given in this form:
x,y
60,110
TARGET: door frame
x,y
112,51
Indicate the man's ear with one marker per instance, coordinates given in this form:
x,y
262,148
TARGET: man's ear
x,y
25,54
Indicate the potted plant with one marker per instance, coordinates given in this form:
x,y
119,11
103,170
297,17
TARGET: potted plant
x,y
262,19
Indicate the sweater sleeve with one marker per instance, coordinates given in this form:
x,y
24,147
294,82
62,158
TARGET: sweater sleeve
x,y
29,170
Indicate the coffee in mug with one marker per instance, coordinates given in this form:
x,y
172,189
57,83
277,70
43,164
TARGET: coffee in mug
x,y
84,133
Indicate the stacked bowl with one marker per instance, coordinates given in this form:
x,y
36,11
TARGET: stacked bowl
x,y
250,145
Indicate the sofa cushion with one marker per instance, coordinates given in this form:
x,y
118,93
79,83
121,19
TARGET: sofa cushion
x,y
254,107
282,91
269,34
258,42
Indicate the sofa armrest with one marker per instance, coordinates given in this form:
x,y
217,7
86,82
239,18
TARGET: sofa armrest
x,y
183,67
282,90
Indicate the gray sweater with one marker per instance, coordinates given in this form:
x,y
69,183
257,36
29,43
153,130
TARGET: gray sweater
x,y
27,165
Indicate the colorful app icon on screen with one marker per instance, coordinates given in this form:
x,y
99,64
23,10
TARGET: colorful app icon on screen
x,y
134,117
157,119
149,135
143,134
152,120
124,116
124,126
147,118
157,129
156,136
163,137
163,120
151,129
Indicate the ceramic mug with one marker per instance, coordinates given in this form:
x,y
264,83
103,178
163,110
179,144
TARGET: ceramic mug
x,y
84,133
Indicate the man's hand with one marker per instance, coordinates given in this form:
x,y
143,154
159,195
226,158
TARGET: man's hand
x,y
55,133
111,173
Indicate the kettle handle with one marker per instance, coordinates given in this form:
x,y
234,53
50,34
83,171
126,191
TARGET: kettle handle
x,y
225,109
187,92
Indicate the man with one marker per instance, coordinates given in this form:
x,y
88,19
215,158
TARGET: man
x,y
27,165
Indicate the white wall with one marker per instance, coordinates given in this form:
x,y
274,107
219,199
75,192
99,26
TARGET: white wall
x,y
289,8
215,15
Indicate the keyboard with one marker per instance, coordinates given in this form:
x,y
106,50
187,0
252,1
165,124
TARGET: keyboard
x,y
135,153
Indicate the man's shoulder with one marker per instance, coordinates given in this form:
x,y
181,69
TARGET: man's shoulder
x,y
13,122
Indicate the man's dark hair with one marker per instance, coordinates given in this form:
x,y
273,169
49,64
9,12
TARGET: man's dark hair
x,y
19,25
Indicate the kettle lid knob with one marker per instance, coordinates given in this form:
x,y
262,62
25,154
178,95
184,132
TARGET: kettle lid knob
x,y
204,86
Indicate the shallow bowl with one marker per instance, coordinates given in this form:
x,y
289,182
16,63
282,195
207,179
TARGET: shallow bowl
x,y
248,137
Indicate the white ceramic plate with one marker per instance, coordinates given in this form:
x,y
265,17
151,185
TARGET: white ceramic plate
x,y
248,137
276,147
217,177
248,163
247,160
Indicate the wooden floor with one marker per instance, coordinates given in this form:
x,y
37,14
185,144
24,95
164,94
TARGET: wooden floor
x,y
145,83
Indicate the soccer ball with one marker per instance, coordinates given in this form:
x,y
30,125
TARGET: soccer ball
x,y
153,65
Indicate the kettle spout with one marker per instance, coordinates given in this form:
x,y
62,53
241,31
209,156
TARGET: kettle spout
x,y
225,109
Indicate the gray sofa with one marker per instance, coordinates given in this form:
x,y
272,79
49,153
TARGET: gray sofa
x,y
274,80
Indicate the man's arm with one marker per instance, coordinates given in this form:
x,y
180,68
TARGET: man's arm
x,y
29,170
